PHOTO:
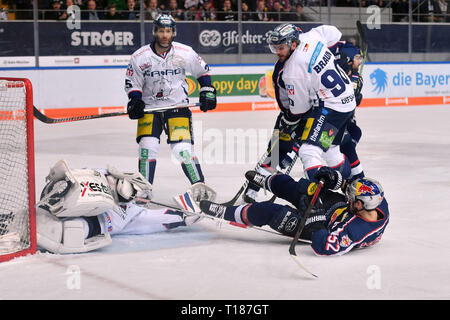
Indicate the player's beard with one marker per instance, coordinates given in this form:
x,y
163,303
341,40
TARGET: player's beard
x,y
354,210
284,57
166,45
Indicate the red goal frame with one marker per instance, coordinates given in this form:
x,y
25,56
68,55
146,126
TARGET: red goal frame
x,y
31,170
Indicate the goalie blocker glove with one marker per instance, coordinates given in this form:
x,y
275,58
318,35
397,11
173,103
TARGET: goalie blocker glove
x,y
208,99
135,108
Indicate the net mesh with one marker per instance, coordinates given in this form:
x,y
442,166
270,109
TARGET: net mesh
x,y
14,187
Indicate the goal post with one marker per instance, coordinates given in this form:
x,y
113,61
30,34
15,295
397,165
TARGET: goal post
x,y
17,177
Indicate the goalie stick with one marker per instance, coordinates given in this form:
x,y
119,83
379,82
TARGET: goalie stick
x,y
42,117
146,201
301,227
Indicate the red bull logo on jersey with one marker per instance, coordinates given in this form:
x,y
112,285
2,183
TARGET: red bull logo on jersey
x,y
363,189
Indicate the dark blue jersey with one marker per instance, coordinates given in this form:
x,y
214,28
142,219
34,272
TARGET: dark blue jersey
x,y
346,231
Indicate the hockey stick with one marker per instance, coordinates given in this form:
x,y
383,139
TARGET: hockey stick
x,y
288,170
215,219
258,165
42,117
301,227
363,45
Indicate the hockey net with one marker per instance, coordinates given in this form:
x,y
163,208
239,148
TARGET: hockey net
x,y
17,192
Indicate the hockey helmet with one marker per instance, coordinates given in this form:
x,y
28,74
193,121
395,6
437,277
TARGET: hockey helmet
x,y
367,190
283,34
350,50
164,21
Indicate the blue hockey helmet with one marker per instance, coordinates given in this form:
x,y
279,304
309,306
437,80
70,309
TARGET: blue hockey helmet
x,y
350,50
283,34
367,190
164,21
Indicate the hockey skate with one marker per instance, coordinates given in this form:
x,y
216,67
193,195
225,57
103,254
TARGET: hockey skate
x,y
256,178
250,195
213,209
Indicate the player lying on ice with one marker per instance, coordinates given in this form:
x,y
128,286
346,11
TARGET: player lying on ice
x,y
80,209
337,224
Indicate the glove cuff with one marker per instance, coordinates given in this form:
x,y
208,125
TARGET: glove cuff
x,y
207,89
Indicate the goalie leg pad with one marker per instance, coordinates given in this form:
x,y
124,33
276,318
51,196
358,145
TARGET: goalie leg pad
x,y
66,236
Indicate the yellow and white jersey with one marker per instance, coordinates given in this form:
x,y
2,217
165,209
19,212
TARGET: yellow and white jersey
x,y
162,79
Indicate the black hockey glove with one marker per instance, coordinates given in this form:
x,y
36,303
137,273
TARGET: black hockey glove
x,y
288,123
358,94
332,178
135,108
316,221
304,201
208,98
358,98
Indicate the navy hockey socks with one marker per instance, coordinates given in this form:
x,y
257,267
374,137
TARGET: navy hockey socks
x,y
284,187
255,214
260,213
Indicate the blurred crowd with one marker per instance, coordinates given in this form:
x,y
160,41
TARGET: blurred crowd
x,y
221,10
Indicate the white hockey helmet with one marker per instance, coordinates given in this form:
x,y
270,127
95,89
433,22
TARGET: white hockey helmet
x,y
368,191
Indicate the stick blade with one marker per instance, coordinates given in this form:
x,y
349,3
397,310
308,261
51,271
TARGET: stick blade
x,y
298,261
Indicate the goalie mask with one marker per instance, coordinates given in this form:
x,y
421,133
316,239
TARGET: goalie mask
x,y
164,21
368,191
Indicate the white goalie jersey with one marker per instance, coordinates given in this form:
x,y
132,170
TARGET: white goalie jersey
x,y
80,209
311,73
162,80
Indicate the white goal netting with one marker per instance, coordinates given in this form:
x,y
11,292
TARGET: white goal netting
x,y
16,180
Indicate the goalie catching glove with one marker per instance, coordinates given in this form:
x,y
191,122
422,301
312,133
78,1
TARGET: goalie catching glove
x,y
128,186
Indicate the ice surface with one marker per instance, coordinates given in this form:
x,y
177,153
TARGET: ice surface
x,y
405,148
